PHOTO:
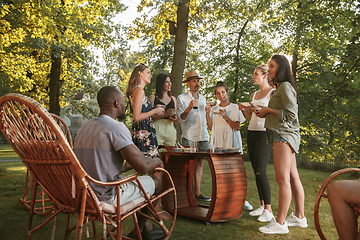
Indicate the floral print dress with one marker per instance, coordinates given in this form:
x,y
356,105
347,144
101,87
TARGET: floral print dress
x,y
144,134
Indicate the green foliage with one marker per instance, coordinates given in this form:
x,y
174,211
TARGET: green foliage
x,y
34,31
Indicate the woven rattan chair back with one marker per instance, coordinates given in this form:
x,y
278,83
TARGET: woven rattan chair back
x,y
42,146
42,203
64,128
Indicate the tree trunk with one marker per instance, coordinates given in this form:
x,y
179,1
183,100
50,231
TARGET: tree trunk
x,y
299,27
180,45
177,69
237,61
54,84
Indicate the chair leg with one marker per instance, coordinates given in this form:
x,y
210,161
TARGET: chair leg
x,y
80,222
94,228
32,207
67,233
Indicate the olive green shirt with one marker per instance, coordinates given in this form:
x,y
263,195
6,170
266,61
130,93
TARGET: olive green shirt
x,y
286,122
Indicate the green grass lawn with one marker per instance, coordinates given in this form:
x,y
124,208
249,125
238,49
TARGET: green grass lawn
x,y
14,217
7,153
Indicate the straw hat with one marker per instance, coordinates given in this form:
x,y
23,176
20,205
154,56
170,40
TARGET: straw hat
x,y
190,75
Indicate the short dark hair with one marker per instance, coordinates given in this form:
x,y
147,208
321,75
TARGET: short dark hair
x,y
107,95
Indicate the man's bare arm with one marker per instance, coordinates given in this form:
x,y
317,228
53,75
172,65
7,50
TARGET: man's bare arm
x,y
138,161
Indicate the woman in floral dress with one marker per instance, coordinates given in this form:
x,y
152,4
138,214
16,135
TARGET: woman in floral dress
x,y
143,128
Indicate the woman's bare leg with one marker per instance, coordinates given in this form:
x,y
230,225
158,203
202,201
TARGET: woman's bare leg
x,y
297,189
282,154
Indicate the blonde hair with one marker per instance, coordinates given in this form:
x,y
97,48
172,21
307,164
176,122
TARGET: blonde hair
x,y
264,70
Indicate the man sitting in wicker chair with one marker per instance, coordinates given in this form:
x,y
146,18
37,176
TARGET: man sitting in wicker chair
x,y
343,194
102,144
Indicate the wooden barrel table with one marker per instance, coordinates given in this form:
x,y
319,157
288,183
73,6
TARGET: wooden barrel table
x,y
229,185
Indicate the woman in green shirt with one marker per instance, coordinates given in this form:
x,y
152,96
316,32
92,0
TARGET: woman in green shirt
x,y
282,124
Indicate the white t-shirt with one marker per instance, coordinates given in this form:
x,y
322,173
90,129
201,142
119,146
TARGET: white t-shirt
x,y
222,135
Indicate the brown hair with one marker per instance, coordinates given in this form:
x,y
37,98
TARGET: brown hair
x,y
220,84
160,80
283,72
134,80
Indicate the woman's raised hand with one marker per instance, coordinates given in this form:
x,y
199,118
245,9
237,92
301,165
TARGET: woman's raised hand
x,y
207,109
170,112
159,111
261,111
223,112
248,107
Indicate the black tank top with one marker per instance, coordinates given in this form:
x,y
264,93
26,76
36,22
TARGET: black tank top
x,y
171,104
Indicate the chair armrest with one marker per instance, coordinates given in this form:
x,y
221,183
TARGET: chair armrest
x,y
123,180
118,182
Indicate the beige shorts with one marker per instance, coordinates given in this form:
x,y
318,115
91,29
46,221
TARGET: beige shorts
x,y
165,132
130,191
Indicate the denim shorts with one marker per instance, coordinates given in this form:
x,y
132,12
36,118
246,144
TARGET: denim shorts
x,y
274,137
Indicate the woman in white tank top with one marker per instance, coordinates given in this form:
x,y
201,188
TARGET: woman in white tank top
x,y
258,148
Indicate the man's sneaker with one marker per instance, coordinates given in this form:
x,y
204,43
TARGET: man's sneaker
x,y
257,212
247,206
293,221
266,216
202,197
273,227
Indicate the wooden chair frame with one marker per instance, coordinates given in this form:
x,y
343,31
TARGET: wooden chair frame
x,y
43,148
323,194
42,208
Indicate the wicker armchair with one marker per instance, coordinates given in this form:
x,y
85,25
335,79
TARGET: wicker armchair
x,y
323,194
43,148
42,203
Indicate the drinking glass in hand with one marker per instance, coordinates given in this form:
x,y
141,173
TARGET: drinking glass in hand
x,y
172,112
195,104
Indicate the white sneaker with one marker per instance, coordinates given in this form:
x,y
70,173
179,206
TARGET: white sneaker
x,y
257,212
273,227
266,216
293,221
247,206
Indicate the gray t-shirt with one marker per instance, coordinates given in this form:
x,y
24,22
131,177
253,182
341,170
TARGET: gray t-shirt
x,y
97,145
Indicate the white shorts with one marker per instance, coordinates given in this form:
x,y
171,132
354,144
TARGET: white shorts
x,y
130,191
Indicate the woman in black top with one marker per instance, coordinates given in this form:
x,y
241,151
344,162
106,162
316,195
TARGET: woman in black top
x,y
164,124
